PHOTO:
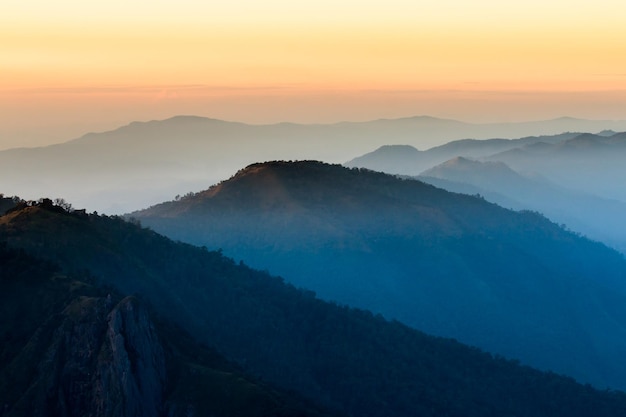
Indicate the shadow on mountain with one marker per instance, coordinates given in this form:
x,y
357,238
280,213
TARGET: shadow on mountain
x,y
452,265
342,358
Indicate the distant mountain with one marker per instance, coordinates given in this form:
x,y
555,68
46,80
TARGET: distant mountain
x,y
461,168
465,188
147,162
572,178
607,132
70,340
71,348
449,264
597,218
406,160
590,163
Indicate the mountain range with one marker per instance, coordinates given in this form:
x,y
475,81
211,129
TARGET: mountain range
x,y
144,163
88,346
572,178
407,160
598,218
452,265
590,163
316,289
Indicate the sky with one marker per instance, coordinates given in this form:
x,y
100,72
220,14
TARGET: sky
x,y
69,67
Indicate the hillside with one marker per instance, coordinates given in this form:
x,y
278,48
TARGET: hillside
x,y
589,163
84,350
460,167
597,218
574,179
346,359
449,264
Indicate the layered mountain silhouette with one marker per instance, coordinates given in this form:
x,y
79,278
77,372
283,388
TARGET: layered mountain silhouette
x,y
597,218
572,178
449,264
144,163
585,162
589,163
85,346
407,160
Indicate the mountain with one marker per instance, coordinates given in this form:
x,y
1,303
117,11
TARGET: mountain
x,y
572,178
449,264
84,350
462,168
599,219
589,163
144,163
346,359
406,160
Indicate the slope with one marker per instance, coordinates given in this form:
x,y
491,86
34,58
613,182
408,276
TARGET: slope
x,y
589,163
451,265
349,359
599,219
406,160
573,178
84,350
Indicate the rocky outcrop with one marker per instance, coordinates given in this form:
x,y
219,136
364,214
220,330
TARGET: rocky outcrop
x,y
103,360
71,348
130,377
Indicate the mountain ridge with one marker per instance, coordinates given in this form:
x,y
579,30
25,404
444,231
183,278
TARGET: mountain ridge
x,y
417,118
575,175
598,218
403,248
359,362
86,350
409,162
143,163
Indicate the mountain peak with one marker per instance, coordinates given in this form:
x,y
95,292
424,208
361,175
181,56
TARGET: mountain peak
x,y
463,164
460,161
402,158
288,169
397,149
266,175
598,141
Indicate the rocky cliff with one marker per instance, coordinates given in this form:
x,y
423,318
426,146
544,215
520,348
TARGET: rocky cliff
x,y
101,360
70,348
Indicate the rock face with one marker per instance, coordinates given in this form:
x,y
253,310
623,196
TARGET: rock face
x,y
103,360
130,376
71,348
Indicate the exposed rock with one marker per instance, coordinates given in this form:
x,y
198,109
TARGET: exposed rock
x,y
100,362
130,376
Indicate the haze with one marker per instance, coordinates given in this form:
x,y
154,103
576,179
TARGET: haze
x,y
69,67
448,167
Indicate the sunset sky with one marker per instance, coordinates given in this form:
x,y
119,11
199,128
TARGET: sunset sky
x,y
68,67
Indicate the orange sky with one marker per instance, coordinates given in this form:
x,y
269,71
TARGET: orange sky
x,y
67,67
